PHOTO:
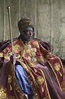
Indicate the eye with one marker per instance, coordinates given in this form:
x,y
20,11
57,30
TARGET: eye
x,y
26,31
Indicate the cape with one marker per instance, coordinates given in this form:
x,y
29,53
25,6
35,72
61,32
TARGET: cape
x,y
29,55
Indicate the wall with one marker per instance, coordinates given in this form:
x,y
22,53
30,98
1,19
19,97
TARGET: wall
x,y
48,18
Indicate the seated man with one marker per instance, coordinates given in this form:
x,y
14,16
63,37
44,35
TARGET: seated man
x,y
38,73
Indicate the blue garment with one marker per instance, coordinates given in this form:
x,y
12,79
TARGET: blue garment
x,y
23,81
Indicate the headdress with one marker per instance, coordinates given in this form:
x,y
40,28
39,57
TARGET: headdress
x,y
24,23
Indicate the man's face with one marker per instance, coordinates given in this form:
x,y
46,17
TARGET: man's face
x,y
27,34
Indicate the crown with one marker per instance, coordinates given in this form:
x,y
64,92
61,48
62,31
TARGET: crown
x,y
24,23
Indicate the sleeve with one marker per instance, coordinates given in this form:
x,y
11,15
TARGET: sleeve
x,y
46,45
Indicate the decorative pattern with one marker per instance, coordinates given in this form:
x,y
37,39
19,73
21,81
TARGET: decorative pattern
x,y
3,94
40,80
57,66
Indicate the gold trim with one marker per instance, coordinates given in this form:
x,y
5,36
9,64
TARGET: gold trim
x,y
15,85
1,54
9,78
40,80
57,67
55,75
46,85
3,94
60,62
36,84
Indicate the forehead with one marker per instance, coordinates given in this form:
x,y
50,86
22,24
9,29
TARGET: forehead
x,y
29,28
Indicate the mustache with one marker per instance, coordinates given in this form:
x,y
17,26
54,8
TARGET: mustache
x,y
25,37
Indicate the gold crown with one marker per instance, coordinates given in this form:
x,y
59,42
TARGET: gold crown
x,y
24,23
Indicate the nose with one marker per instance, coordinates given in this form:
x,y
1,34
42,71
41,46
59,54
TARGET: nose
x,y
29,32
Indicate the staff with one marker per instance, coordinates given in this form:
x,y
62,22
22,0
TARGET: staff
x,y
11,37
10,28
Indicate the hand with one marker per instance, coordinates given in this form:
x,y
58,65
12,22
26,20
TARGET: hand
x,y
13,59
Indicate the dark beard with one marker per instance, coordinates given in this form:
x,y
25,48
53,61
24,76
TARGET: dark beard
x,y
25,38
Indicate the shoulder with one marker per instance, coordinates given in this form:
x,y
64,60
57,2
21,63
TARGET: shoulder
x,y
46,45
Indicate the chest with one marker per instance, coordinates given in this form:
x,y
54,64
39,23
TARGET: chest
x,y
30,51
